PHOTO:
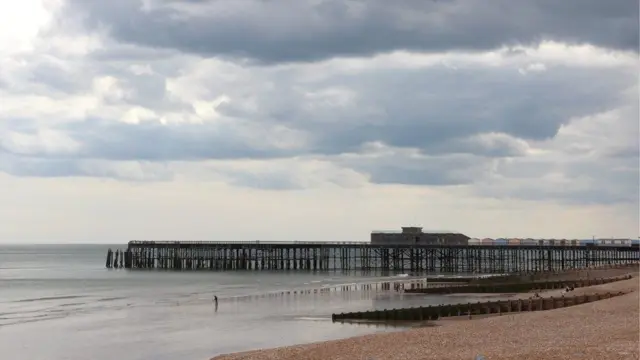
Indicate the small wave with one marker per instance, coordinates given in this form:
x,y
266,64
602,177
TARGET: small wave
x,y
234,286
71,304
19,312
24,267
46,298
111,298
34,319
56,311
308,318
20,318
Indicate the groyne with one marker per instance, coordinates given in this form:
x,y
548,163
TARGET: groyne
x,y
472,309
570,273
515,287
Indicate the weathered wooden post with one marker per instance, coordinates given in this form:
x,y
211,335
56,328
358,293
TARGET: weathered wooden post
x,y
109,255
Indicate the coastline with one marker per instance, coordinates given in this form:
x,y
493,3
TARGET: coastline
x,y
606,329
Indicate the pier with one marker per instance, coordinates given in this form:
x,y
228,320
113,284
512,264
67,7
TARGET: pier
x,y
363,256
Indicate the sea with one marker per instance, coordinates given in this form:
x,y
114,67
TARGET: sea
x,y
60,302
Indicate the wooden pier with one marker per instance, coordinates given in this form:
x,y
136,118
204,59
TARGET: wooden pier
x,y
342,256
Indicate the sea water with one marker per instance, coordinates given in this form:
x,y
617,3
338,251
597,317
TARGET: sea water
x,y
59,302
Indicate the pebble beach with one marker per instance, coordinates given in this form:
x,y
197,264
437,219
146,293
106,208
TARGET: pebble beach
x,y
606,329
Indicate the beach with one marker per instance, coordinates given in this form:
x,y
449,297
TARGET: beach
x,y
606,329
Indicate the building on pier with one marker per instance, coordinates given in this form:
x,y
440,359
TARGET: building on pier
x,y
415,236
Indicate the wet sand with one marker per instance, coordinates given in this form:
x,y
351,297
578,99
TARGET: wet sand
x,y
606,329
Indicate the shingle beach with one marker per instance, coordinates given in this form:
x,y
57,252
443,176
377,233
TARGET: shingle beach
x,y
602,330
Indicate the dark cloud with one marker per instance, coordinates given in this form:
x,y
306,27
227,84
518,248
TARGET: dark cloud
x,y
304,30
136,171
435,111
153,141
47,168
128,53
429,111
471,122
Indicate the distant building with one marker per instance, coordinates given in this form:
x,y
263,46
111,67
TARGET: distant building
x,y
415,236
613,241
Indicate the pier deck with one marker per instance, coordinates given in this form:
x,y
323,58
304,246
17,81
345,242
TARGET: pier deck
x,y
361,256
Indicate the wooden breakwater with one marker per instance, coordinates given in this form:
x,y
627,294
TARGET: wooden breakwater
x,y
471,309
326,256
515,287
571,273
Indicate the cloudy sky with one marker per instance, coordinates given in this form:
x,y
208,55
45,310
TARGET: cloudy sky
x,y
317,119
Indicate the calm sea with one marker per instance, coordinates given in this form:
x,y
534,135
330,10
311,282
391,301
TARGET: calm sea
x,y
59,302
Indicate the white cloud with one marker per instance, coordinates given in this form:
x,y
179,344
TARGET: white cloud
x,y
21,22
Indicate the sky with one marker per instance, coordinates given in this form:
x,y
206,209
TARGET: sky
x,y
317,120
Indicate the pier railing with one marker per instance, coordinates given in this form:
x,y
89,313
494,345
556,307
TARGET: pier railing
x,y
251,242
205,243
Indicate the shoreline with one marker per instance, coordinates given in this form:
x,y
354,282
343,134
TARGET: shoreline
x,y
605,329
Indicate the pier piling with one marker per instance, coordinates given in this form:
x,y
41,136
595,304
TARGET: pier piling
x,y
318,256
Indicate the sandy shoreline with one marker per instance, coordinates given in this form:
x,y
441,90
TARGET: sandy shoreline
x,y
606,329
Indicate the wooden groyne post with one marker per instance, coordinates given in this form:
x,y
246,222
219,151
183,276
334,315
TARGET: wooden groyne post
x,y
109,259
